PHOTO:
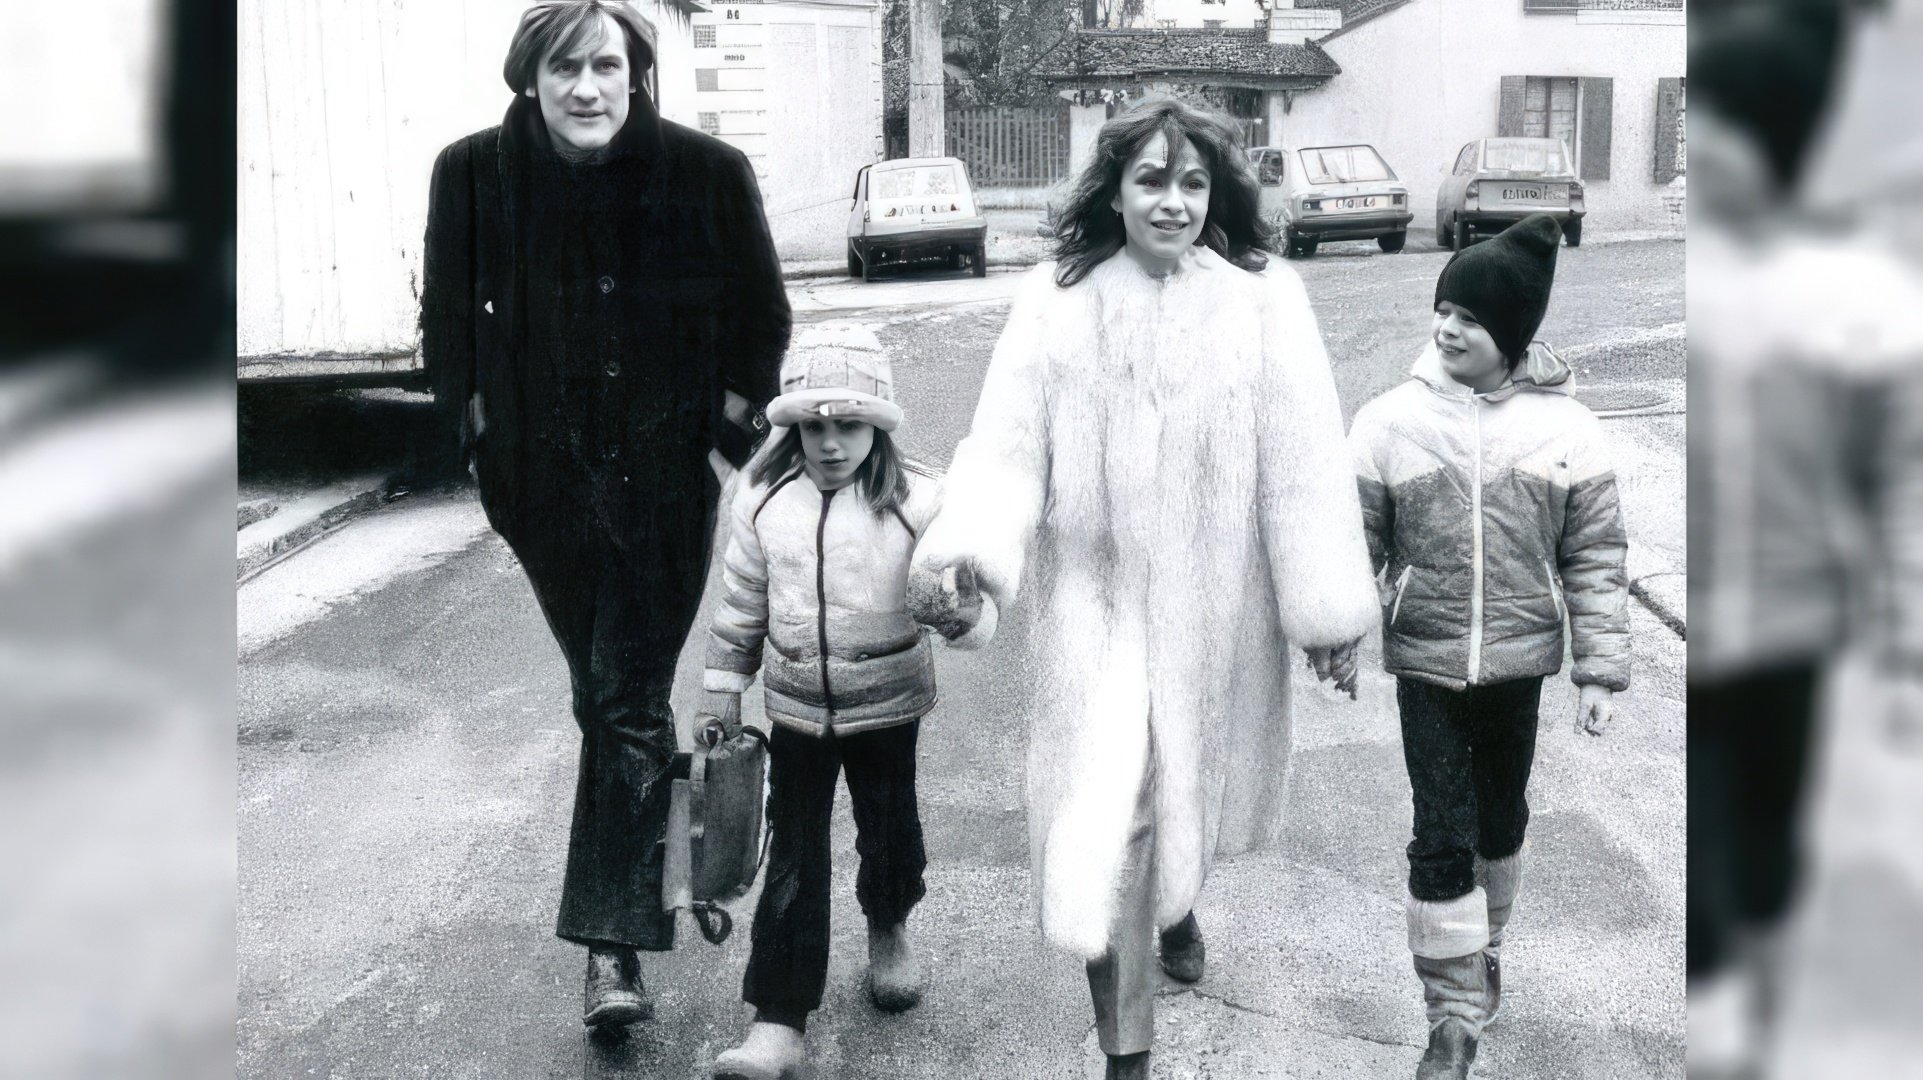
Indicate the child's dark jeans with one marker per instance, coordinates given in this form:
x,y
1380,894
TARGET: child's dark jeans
x,y
1469,753
1749,750
788,964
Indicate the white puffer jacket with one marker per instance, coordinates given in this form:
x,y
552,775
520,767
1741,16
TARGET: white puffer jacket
x,y
823,580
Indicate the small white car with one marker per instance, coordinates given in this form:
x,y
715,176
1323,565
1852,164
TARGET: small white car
x,y
1345,192
913,209
1498,182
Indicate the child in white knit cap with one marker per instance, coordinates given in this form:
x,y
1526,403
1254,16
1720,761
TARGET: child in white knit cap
x,y
824,521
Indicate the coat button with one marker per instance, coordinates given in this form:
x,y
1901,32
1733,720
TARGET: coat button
x,y
607,284
612,367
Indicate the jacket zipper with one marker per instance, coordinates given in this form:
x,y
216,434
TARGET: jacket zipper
x,y
1475,563
821,606
1402,583
1555,591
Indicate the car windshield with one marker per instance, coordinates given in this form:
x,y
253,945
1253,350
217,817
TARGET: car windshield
x,y
1344,165
916,181
1535,157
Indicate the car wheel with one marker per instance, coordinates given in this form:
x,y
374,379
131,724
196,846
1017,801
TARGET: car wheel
x,y
868,266
1572,231
1308,247
1393,242
1445,233
1461,235
981,259
854,261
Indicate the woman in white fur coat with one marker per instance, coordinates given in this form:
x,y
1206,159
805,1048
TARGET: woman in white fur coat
x,y
1157,468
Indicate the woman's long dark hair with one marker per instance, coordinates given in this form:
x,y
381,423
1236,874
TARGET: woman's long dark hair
x,y
883,479
1088,230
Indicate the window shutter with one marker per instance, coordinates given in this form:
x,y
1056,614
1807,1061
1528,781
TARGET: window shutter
x,y
1509,110
1598,110
1669,100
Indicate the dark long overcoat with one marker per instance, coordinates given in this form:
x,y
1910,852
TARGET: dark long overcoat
x,y
594,316
605,361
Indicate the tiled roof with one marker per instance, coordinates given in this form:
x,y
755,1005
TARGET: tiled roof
x,y
1110,54
1354,12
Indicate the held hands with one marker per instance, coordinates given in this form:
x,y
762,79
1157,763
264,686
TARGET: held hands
x,y
1595,709
948,600
718,720
1336,662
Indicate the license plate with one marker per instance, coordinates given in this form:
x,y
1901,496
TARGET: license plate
x,y
1359,202
1513,194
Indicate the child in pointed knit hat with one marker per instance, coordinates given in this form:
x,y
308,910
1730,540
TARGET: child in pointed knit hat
x,y
1492,517
823,523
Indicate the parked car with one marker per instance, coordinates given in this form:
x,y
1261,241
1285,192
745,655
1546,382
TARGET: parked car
x,y
914,209
1498,182
1318,193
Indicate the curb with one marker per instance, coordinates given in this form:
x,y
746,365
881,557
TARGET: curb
x,y
274,532
1659,606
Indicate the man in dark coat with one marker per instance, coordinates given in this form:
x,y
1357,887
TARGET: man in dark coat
x,y
602,311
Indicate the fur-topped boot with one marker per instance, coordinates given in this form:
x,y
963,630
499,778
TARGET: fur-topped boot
x,y
1502,880
1447,938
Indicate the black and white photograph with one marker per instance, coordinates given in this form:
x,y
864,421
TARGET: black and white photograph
x,y
1020,539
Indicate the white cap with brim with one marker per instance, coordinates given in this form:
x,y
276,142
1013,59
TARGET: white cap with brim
x,y
833,402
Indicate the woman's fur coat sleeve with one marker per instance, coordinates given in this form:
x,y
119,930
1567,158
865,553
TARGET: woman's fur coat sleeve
x,y
1310,515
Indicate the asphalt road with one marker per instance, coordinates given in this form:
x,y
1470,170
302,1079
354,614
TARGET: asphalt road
x,y
406,764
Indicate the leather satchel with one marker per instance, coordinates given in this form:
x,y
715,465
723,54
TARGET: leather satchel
x,y
717,832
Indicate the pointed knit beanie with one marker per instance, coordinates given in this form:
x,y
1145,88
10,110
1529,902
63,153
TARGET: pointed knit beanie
x,y
1505,282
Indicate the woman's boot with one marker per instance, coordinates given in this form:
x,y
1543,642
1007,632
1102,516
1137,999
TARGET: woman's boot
x,y
1183,955
894,976
1447,938
1502,880
1127,1067
770,1052
614,995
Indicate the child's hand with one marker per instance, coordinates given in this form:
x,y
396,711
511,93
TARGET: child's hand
x,y
1595,709
948,600
718,720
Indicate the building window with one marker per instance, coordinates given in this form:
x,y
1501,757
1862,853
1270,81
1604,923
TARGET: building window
x,y
1577,111
704,37
710,123
1213,24
1549,110
1672,137
707,80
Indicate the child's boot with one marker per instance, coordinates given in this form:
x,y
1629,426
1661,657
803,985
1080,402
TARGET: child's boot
x,y
1447,938
1502,879
894,975
770,1052
1183,955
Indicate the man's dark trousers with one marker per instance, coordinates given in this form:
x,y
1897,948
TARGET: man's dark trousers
x,y
621,617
